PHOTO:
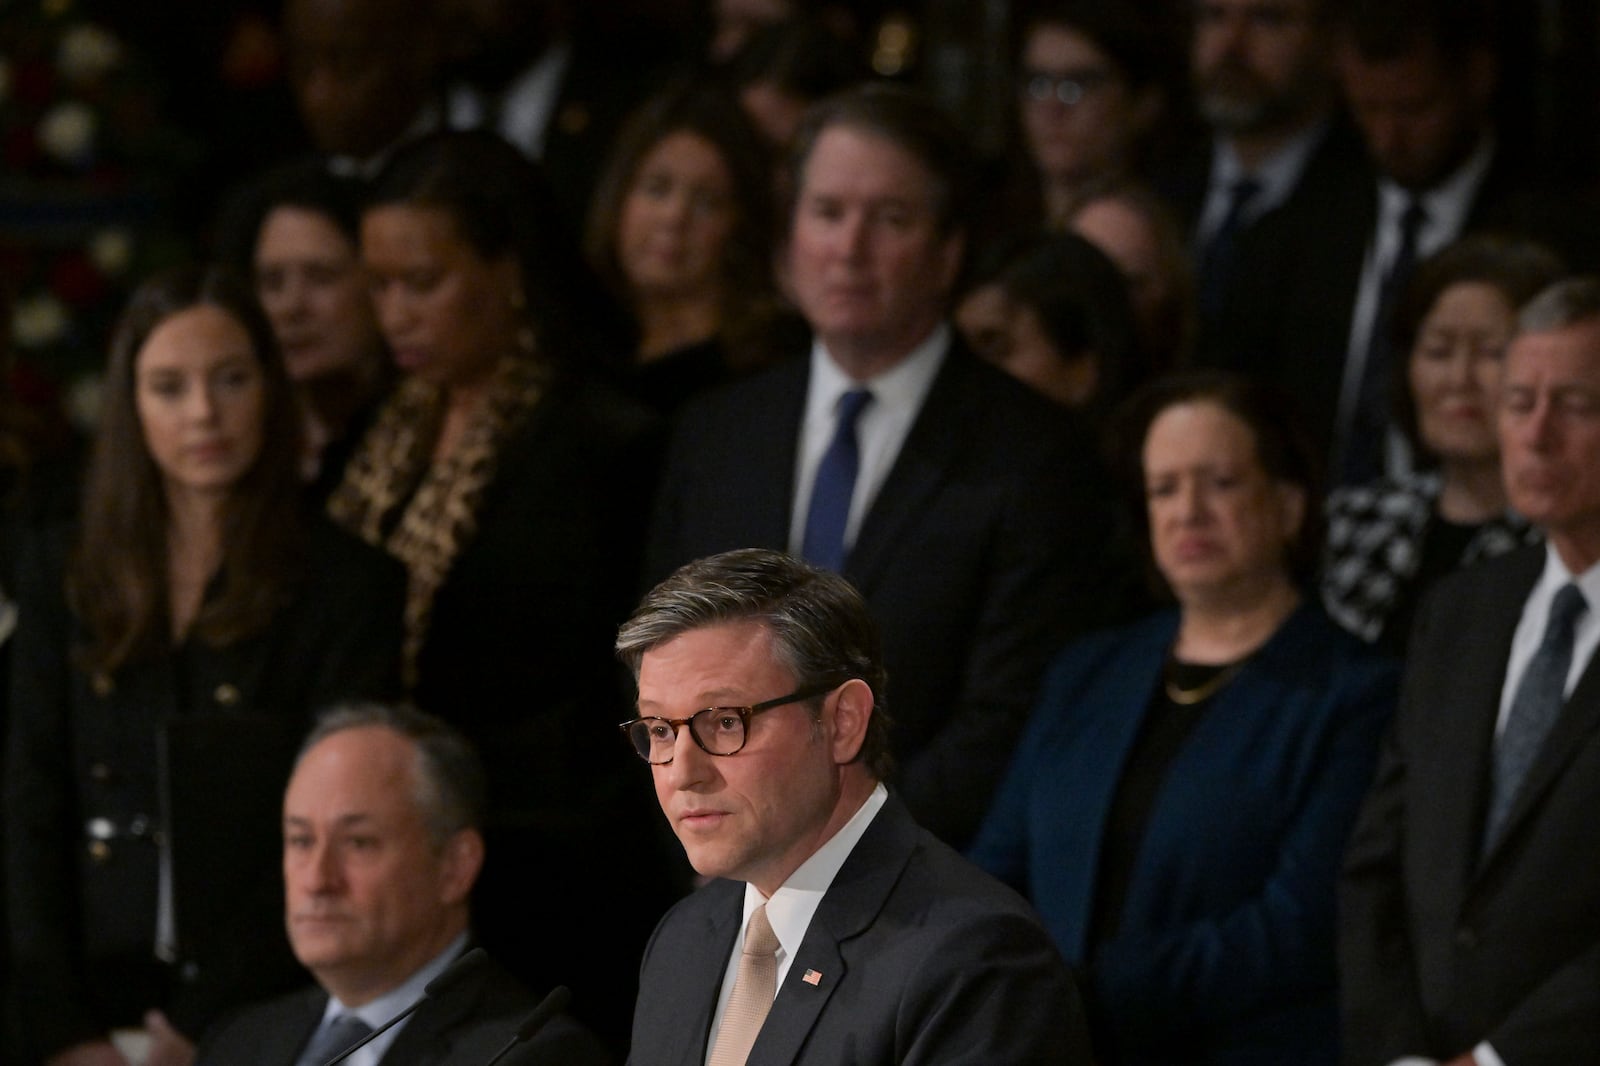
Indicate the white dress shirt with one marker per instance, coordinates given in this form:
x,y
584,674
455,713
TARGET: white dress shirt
x,y
881,428
1535,615
1447,206
791,908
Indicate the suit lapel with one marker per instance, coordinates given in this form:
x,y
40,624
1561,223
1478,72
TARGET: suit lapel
x,y
1577,720
848,908
1477,666
925,459
284,1043
1119,700
692,1005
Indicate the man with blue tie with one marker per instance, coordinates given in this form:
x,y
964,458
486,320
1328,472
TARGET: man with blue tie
x,y
967,510
1470,926
382,843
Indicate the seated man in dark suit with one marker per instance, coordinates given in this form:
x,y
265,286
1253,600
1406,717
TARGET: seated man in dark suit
x,y
838,931
966,509
1470,910
382,844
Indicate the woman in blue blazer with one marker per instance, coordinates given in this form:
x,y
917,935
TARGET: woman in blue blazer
x,y
1179,804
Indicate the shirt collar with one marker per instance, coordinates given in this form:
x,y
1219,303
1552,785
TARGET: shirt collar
x,y
376,1012
1556,575
1277,174
794,904
902,386
1446,203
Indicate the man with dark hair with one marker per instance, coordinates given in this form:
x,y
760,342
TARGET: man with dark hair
x,y
836,930
1263,79
382,841
1420,78
965,508
1470,910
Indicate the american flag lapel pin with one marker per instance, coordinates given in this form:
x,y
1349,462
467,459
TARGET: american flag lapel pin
x,y
812,977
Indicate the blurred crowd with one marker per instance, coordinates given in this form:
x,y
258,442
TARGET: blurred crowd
x,y
361,350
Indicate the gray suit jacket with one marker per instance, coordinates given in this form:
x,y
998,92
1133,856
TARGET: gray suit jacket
x,y
1440,948
464,1026
921,958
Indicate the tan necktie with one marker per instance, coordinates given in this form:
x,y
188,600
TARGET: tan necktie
x,y
753,988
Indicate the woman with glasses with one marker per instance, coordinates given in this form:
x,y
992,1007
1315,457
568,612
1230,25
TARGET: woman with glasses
x,y
1089,99
1178,807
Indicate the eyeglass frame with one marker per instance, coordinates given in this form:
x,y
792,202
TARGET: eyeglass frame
x,y
1069,89
745,715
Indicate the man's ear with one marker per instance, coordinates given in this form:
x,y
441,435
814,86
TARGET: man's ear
x,y
852,711
459,865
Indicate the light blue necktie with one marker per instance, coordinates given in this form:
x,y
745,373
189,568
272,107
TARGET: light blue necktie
x,y
332,1037
1534,709
835,483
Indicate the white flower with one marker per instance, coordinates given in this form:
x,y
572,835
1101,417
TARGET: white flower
x,y
67,132
38,320
85,396
111,250
86,53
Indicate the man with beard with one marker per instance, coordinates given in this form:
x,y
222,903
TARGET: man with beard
x,y
1311,307
1262,72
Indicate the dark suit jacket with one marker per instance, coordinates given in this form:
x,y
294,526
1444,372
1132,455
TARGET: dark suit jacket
x,y
1440,949
88,790
987,547
1226,946
923,959
465,1026
1287,317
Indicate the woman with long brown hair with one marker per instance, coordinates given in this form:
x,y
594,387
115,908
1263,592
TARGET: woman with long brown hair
x,y
169,654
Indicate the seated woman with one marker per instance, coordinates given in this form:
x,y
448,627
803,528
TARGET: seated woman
x,y
1179,803
1390,539
680,230
168,657
1053,312
295,232
515,492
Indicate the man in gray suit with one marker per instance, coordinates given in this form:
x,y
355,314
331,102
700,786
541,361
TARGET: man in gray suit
x,y
381,846
836,930
1470,927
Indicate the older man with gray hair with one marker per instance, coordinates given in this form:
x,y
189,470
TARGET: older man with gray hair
x,y
382,842
1471,902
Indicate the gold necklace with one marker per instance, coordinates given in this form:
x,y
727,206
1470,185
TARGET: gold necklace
x,y
1188,697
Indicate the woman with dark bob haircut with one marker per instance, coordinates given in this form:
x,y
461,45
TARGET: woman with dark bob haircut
x,y
681,232
1390,539
515,492
183,635
296,232
1178,807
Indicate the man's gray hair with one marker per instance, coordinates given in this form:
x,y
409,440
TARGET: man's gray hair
x,y
451,787
1566,303
821,628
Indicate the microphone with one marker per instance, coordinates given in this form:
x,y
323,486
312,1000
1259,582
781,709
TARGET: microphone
x,y
466,966
552,1005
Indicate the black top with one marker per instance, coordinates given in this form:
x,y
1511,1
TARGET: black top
x,y
1166,727
1444,545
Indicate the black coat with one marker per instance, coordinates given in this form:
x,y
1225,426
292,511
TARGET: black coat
x,y
88,795
987,547
465,1025
1439,948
